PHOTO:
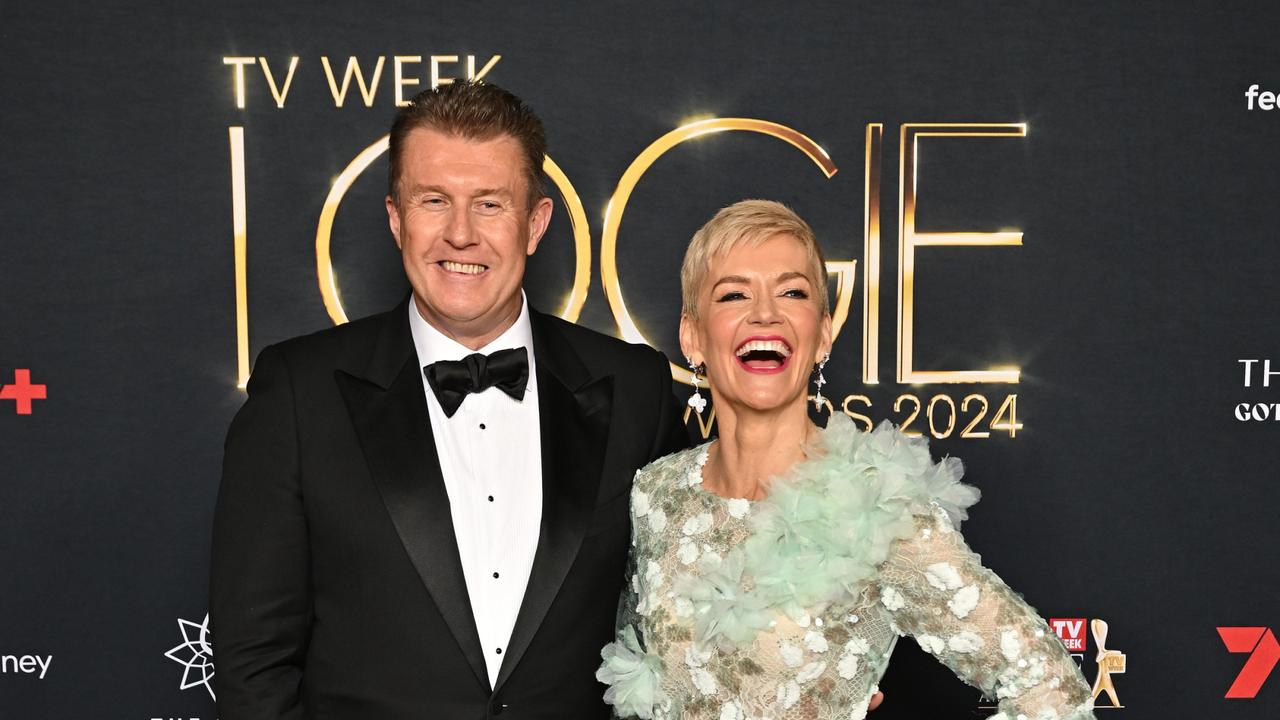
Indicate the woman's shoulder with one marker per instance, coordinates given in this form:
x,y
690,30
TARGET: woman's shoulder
x,y
663,491
678,470
903,468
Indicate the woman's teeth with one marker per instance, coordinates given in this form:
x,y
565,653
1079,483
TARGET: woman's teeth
x,y
774,346
464,268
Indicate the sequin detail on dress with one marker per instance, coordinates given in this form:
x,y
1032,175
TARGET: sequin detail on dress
x,y
788,608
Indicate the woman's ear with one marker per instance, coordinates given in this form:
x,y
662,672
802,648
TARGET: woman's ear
x,y
824,339
689,344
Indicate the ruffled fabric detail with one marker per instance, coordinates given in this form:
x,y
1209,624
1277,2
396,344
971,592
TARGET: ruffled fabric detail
x,y
822,531
634,677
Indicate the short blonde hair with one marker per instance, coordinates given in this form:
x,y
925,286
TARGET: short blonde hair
x,y
753,222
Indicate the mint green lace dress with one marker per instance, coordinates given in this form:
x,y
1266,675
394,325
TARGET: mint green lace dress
x,y
788,608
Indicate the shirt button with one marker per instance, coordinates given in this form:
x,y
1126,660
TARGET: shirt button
x,y
495,576
498,651
490,498
481,426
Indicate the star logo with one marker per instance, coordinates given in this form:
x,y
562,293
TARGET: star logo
x,y
195,655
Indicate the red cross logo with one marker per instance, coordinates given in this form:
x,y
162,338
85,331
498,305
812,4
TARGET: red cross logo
x,y
22,391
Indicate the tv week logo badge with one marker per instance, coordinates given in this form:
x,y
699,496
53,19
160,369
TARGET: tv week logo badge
x,y
1074,634
1071,632
1110,662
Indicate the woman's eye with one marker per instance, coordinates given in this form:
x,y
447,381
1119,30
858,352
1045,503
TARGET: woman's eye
x,y
731,295
796,293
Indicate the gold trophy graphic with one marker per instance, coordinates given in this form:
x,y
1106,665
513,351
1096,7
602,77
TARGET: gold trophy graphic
x,y
1109,661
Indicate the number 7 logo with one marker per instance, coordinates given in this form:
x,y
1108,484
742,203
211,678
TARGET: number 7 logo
x,y
1263,651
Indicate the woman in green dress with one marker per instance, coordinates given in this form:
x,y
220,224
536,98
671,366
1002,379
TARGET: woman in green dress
x,y
773,569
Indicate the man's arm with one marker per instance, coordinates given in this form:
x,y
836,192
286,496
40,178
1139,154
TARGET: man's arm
x,y
671,435
260,600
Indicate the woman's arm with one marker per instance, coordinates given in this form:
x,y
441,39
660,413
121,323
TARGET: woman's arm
x,y
937,590
630,668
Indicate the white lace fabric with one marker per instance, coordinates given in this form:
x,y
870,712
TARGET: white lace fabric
x,y
824,660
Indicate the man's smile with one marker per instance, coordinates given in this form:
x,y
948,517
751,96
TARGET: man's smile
x,y
462,268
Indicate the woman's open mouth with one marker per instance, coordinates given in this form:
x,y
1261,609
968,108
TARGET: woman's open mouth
x,y
763,354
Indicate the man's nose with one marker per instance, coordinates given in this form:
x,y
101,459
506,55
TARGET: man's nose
x,y
458,230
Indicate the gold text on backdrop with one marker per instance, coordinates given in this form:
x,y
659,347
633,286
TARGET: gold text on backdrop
x,y
942,414
405,78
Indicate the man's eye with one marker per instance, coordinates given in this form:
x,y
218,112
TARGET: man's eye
x,y
488,207
433,202
731,295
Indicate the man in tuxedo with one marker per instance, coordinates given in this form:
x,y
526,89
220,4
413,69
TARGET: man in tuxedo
x,y
425,513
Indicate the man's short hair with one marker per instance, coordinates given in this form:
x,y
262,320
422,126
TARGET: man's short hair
x,y
476,111
748,222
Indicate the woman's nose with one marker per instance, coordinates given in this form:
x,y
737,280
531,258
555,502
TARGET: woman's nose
x,y
764,311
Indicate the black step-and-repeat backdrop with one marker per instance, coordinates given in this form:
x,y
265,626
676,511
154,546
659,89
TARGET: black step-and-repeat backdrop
x,y
1051,231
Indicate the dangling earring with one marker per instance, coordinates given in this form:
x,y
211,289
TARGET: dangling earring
x,y
696,401
818,383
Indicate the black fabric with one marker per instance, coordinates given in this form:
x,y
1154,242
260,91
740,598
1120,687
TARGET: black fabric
x,y
337,590
453,380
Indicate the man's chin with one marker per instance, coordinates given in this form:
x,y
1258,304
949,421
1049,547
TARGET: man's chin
x,y
466,319
453,314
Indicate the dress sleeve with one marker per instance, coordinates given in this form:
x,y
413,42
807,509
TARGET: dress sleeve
x,y
937,591
630,668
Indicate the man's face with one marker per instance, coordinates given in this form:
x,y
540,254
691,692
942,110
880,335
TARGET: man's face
x,y
464,228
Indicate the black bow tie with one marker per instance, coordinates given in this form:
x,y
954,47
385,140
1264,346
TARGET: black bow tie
x,y
452,380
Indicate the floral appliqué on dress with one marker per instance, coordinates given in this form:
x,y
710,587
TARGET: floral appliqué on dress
x,y
788,608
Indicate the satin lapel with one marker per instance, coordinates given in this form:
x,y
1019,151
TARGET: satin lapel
x,y
574,424
395,435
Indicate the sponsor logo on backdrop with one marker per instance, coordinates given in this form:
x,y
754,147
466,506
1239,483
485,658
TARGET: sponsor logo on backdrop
x,y
1264,652
1258,373
1107,662
37,665
1110,663
22,391
195,655
1261,99
1071,632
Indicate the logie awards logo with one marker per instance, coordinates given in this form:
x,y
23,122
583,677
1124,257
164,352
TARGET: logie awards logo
x,y
962,402
1108,662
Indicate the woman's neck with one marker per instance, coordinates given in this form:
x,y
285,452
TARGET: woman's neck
x,y
753,447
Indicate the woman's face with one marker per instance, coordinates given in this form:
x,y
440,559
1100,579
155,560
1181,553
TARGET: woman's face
x,y
759,328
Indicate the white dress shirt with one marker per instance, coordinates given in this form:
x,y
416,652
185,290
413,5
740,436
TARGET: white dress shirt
x,y
491,458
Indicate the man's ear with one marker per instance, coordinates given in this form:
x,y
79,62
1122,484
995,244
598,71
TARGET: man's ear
x,y
539,219
689,343
393,218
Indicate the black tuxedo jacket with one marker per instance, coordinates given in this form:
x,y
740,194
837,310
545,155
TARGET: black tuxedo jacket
x,y
337,591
